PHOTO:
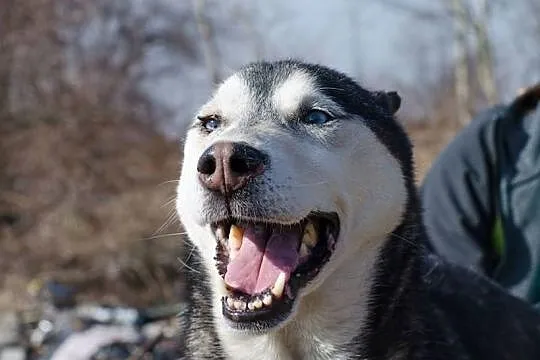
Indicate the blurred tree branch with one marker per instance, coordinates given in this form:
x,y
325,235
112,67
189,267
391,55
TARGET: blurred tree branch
x,y
58,54
486,66
416,11
461,68
204,26
473,49
6,54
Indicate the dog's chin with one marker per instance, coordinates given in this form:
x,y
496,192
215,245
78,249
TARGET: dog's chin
x,y
268,266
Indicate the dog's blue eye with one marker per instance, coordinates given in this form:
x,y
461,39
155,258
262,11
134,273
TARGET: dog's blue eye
x,y
316,117
210,123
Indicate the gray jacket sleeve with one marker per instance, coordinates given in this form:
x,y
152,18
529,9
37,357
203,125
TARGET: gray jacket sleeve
x,y
459,209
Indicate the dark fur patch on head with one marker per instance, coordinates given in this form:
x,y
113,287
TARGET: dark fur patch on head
x,y
263,78
391,100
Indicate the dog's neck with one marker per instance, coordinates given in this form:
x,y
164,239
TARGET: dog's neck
x,y
327,321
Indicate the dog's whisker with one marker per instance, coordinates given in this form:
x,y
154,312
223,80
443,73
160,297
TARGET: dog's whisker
x,y
186,266
308,184
175,181
159,236
332,88
171,217
169,202
184,263
402,238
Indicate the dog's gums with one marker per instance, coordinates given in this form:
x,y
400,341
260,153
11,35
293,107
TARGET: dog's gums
x,y
264,265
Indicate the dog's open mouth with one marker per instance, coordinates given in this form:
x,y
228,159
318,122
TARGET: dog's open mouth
x,y
264,265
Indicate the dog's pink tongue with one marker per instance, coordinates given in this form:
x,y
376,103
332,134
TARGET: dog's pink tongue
x,y
261,258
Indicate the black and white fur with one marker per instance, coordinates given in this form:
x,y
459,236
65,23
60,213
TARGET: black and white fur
x,y
381,296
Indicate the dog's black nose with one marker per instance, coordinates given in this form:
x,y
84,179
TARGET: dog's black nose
x,y
226,166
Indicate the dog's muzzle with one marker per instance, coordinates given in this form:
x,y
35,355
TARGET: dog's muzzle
x,y
264,264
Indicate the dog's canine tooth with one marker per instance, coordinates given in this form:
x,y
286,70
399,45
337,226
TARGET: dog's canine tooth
x,y
230,302
310,235
258,303
331,241
304,251
279,286
220,233
235,237
267,299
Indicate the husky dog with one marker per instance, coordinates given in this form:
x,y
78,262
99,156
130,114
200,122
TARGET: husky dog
x,y
297,193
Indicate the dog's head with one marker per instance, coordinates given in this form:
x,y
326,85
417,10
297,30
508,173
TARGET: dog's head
x,y
288,170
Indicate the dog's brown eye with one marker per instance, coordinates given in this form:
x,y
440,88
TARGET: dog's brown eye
x,y
209,123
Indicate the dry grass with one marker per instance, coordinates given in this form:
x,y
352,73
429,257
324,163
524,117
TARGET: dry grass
x,y
86,200
428,140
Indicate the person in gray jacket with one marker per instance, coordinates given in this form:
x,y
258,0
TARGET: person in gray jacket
x,y
482,196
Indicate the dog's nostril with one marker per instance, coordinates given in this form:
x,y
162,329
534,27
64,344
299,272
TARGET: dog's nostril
x,y
207,164
240,166
246,160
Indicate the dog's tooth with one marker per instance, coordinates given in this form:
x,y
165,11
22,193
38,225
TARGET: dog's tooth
x,y
310,235
235,237
251,305
331,241
258,303
230,302
220,233
267,299
239,305
279,286
304,251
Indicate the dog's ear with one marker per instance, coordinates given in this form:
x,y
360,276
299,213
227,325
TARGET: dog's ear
x,y
390,101
527,100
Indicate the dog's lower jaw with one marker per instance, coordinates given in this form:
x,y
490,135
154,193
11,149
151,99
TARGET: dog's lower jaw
x,y
340,308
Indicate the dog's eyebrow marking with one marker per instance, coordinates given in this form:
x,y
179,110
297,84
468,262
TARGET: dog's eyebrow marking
x,y
232,99
288,96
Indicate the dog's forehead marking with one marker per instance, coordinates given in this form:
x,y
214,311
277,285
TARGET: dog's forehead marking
x,y
289,94
232,99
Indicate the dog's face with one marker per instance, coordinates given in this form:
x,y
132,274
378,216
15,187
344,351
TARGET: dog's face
x,y
288,171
